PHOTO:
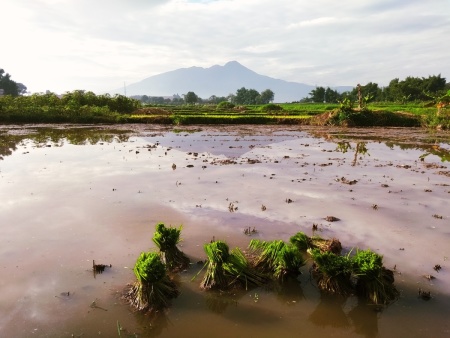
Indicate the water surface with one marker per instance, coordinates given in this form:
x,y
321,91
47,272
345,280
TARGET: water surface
x,y
71,195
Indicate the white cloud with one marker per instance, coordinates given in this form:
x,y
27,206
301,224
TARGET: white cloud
x,y
97,45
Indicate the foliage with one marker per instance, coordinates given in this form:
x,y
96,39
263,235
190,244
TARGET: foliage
x,y
252,96
225,105
149,268
266,96
77,107
225,269
191,98
153,289
332,272
374,281
320,94
166,239
277,257
8,86
271,107
302,242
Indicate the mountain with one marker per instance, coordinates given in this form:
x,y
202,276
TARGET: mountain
x,y
216,80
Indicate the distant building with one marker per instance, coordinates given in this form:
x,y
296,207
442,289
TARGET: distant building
x,y
2,92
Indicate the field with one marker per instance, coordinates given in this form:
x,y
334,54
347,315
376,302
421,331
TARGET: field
x,y
287,113
81,108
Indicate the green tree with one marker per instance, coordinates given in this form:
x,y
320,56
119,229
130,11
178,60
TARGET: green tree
x,y
9,86
266,96
332,96
369,92
246,96
190,98
318,94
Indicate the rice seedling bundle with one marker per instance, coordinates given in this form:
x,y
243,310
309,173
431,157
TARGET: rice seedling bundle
x,y
153,289
166,239
303,242
374,281
332,272
225,269
277,258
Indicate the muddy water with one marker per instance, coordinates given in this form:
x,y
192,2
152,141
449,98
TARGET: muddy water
x,y
71,195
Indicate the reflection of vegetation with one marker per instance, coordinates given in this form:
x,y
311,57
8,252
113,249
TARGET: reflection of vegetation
x,y
41,137
7,145
290,291
219,302
150,325
434,149
360,149
329,312
365,319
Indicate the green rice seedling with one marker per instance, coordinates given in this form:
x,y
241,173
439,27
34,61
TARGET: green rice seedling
x,y
302,242
332,272
166,239
225,269
276,257
153,289
374,281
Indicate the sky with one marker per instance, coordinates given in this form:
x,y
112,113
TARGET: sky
x,y
100,45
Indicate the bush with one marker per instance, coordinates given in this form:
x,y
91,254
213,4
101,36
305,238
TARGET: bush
x,y
225,105
271,107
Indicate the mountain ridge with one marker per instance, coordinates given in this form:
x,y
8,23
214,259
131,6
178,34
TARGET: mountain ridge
x,y
217,80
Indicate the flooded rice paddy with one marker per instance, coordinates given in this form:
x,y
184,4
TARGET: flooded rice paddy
x,y
71,195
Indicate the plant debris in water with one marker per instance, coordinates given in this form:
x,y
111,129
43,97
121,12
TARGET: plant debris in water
x,y
166,239
99,268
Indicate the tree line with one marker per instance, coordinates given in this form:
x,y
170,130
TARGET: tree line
x,y
243,96
411,89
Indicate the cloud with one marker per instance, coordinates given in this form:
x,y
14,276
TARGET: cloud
x,y
97,45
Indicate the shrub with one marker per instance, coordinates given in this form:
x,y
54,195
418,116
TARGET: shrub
x,y
271,107
225,105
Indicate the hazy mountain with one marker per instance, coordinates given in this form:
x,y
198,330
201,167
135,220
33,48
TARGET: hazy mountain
x,y
217,80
